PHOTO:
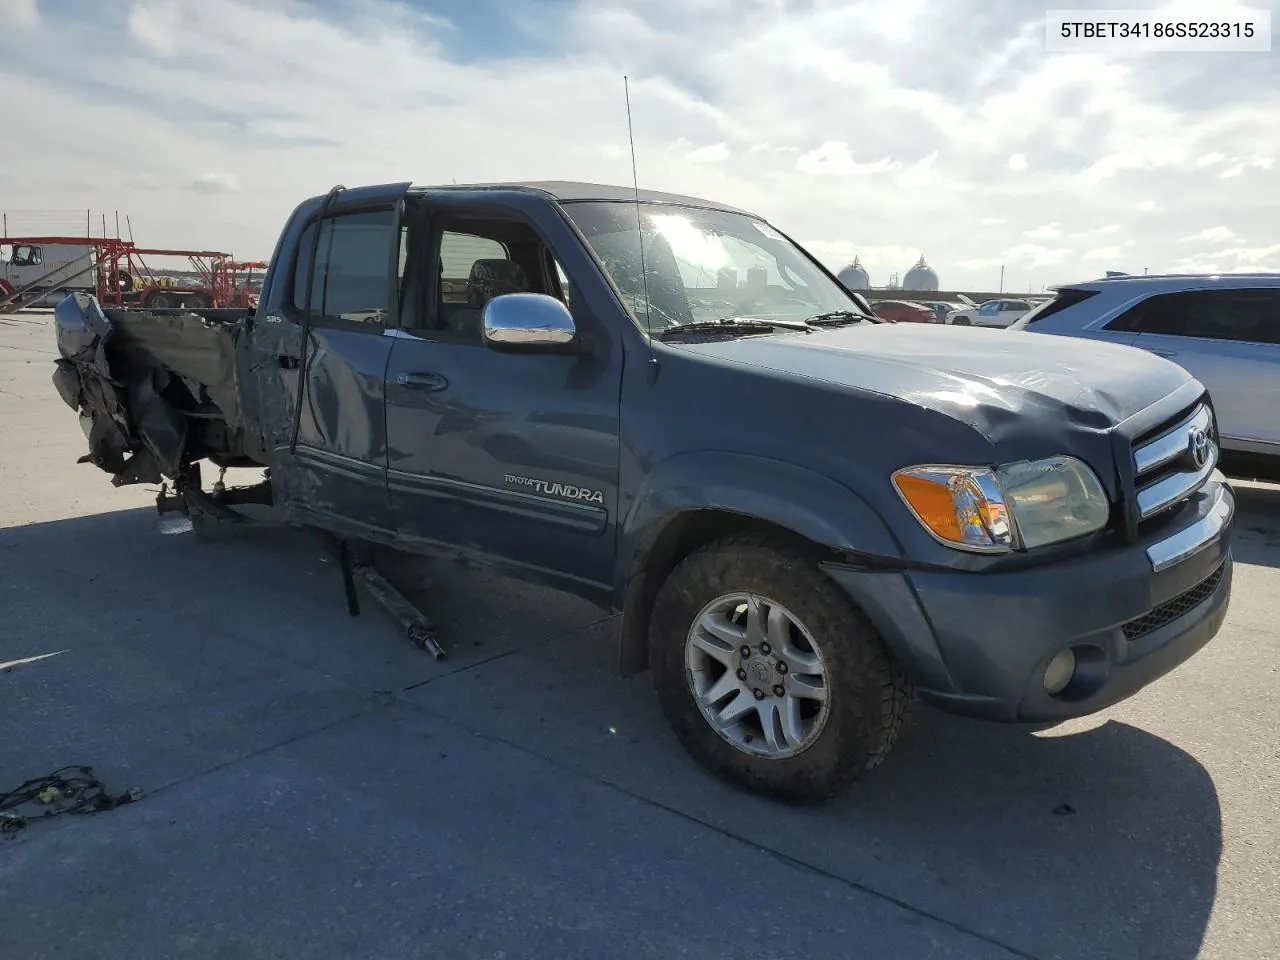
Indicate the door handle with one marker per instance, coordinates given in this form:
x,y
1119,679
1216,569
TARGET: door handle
x,y
422,381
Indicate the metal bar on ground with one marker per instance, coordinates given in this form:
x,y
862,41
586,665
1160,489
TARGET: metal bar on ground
x,y
419,630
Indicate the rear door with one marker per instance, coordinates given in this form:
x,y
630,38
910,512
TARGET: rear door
x,y
1011,310
987,315
333,469
1229,340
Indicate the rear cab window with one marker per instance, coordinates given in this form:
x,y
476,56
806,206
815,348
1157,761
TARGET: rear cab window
x,y
459,253
350,284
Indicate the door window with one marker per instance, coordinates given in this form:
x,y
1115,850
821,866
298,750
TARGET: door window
x,y
1239,315
482,257
353,259
25,255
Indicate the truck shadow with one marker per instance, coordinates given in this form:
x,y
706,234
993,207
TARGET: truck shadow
x,y
1095,839
1088,840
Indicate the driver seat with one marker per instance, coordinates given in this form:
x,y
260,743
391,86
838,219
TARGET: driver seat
x,y
488,279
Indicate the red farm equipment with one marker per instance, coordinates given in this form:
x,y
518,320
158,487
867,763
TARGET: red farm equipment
x,y
118,273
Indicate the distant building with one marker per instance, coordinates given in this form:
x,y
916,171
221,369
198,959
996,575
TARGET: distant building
x,y
921,277
854,276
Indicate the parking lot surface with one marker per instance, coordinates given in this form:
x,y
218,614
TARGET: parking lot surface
x,y
315,787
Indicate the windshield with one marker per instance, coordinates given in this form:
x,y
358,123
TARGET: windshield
x,y
705,265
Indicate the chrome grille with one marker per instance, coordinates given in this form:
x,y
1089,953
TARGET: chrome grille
x,y
1173,462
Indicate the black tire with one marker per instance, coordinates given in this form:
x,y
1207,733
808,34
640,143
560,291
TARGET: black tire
x,y
868,697
195,301
160,301
961,322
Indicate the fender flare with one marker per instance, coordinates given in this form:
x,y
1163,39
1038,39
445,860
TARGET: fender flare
x,y
802,501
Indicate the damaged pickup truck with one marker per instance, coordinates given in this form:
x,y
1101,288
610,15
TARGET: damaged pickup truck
x,y
808,518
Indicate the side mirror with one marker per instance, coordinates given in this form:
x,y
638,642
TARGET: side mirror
x,y
527,321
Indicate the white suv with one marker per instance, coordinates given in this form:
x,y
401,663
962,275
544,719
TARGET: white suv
x,y
1224,330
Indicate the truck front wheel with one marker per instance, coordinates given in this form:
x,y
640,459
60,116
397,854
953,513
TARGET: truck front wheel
x,y
768,673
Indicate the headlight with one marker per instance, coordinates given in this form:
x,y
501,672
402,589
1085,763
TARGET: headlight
x,y
1018,505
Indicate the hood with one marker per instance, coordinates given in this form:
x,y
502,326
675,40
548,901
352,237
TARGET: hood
x,y
990,379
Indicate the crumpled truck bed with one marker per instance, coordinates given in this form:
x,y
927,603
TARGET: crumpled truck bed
x,y
154,390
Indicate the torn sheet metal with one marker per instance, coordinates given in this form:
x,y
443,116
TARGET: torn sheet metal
x,y
136,377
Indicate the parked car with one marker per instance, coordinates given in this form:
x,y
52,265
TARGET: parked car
x,y
941,308
989,313
805,516
1224,330
903,311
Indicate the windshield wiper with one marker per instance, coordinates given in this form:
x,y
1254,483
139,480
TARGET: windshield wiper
x,y
834,318
733,325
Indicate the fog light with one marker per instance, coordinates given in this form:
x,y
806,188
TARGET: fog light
x,y
1060,671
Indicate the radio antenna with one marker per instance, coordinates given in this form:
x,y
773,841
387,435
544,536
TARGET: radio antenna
x,y
635,184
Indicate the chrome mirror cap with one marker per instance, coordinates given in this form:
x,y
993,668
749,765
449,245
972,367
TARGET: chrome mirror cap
x,y
527,320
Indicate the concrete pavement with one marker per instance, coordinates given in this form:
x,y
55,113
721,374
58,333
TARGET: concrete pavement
x,y
316,788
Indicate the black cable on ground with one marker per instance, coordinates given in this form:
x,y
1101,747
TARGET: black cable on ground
x,y
68,790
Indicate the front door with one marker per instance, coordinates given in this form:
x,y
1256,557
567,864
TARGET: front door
x,y
512,456
335,473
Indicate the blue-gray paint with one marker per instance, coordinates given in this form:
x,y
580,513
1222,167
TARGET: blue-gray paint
x,y
445,446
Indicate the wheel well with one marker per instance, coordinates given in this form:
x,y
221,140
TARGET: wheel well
x,y
679,537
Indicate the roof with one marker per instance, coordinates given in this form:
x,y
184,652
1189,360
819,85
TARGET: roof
x,y
568,191
1175,281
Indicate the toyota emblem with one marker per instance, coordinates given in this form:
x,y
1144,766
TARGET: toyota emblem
x,y
1198,447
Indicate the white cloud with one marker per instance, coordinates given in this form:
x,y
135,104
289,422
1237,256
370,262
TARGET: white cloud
x,y
980,263
713,153
1240,165
215,183
157,26
1036,255
1048,231
833,157
1249,254
1211,235
922,173
1102,253
1093,233
1018,161
1193,265
1231,260
866,146
18,13
1113,164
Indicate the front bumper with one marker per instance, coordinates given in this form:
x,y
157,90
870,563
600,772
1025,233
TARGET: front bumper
x,y
978,644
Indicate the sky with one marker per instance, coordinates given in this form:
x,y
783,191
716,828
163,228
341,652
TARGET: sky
x,y
888,129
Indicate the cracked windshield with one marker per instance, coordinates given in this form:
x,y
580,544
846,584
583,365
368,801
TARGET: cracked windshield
x,y
704,265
